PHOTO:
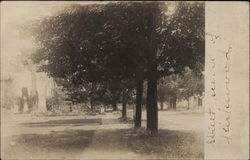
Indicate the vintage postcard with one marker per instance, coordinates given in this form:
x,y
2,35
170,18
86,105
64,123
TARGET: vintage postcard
x,y
124,80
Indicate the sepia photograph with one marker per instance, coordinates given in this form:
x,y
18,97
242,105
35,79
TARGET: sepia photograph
x,y
103,80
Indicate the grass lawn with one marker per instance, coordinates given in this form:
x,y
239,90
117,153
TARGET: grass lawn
x,y
77,138
71,143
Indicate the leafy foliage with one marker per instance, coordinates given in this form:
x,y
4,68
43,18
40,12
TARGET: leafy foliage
x,y
102,50
183,86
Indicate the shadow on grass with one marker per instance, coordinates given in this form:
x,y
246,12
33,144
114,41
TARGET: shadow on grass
x,y
167,144
56,144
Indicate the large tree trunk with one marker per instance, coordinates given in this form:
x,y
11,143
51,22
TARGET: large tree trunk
x,y
152,110
124,103
188,107
114,105
162,103
92,85
91,104
138,108
169,103
174,102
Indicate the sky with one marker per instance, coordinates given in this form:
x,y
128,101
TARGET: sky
x,y
13,15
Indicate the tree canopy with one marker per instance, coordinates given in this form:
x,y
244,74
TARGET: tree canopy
x,y
121,44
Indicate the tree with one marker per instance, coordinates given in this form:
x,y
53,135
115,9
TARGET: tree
x,y
191,84
168,90
181,86
123,42
106,47
126,23
174,43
